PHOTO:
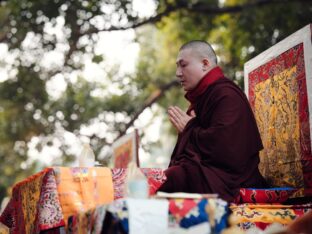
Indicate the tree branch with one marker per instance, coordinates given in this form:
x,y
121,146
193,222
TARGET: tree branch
x,y
197,8
204,8
153,19
154,97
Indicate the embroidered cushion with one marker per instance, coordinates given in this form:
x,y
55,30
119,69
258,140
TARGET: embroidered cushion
x,y
268,195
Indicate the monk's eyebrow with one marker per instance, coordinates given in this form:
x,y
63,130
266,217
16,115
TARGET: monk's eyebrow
x,y
179,61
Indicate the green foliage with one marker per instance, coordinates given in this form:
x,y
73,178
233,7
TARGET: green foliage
x,y
240,37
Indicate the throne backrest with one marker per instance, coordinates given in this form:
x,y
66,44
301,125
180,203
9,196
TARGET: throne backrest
x,y
278,83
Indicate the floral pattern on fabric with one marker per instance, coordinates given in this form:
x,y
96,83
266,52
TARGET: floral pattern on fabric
x,y
279,99
155,178
119,178
50,211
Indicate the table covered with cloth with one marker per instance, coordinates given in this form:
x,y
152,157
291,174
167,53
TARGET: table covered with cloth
x,y
184,214
44,201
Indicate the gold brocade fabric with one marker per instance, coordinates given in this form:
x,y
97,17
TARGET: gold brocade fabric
x,y
277,115
266,213
28,192
30,198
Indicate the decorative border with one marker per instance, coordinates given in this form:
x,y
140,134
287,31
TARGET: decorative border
x,y
299,47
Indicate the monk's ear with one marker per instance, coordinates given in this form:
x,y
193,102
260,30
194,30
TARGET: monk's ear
x,y
206,64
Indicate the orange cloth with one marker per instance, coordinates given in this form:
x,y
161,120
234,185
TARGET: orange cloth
x,y
81,189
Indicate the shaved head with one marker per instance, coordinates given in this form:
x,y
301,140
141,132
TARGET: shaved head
x,y
202,49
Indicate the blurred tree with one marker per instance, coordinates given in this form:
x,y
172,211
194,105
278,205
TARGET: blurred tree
x,y
69,31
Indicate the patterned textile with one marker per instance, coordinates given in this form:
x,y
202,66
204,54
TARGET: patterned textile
x,y
58,230
278,96
103,217
21,214
50,211
262,215
269,195
190,212
155,177
87,222
81,189
50,196
184,212
45,200
119,211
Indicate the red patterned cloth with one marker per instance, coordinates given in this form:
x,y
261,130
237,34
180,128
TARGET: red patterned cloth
x,y
269,195
155,177
180,207
34,205
50,211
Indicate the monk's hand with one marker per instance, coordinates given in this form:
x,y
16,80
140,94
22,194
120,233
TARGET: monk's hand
x,y
179,118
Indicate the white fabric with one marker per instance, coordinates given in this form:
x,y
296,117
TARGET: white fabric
x,y
148,216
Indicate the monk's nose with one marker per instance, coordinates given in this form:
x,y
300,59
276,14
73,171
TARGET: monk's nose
x,y
178,73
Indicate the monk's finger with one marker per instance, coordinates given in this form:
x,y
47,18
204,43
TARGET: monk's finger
x,y
174,119
170,108
171,112
171,119
183,115
178,118
175,124
178,109
175,112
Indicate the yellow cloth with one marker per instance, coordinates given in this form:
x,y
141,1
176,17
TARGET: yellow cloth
x,y
283,214
4,229
82,189
29,190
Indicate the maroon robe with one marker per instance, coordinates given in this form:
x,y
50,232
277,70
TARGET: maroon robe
x,y
218,150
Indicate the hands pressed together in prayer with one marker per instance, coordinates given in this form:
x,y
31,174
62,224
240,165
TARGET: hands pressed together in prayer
x,y
179,118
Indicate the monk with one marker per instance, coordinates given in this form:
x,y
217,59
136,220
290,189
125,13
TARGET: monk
x,y
218,145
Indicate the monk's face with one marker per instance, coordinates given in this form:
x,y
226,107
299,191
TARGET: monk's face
x,y
189,69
